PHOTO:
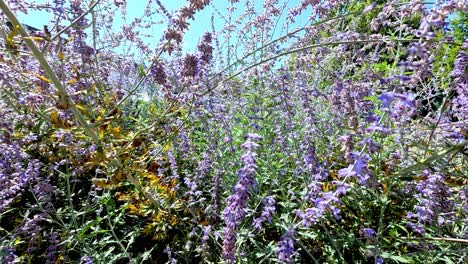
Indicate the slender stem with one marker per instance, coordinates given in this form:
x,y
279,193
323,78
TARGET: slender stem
x,y
76,20
117,240
454,148
277,40
307,251
333,43
447,239
266,257
332,241
444,107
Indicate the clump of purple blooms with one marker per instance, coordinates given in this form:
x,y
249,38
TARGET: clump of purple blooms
x,y
434,206
119,143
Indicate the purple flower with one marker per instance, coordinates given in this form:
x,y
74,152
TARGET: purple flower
x,y
205,48
347,172
285,251
433,196
403,78
341,187
190,67
386,99
237,202
407,100
8,255
324,202
360,164
310,216
17,171
173,165
460,65
158,73
267,213
216,191
379,129
253,136
169,253
204,247
119,3
372,146
369,8
367,232
229,244
52,249
359,168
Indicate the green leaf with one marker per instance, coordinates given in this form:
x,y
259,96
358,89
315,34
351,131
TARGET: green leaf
x,y
307,235
142,70
398,259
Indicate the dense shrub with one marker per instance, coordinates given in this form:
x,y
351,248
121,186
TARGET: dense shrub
x,y
340,141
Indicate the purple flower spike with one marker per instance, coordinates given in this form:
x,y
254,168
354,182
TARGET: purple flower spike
x,y
285,251
237,202
386,99
369,8
367,232
267,214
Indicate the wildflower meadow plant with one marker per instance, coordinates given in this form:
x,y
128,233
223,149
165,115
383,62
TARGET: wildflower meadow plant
x,y
266,131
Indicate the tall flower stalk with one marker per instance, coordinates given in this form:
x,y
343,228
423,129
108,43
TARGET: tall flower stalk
x,y
237,203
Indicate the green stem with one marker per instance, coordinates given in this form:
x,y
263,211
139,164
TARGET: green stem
x,y
277,40
333,43
419,165
73,23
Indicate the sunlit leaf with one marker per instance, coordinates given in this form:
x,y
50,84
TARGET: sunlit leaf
x,y
58,121
45,79
72,81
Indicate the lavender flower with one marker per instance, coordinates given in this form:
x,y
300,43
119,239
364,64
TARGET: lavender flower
x,y
237,202
204,248
358,169
158,73
433,196
285,251
52,249
8,255
190,66
174,166
216,191
386,99
367,232
369,8
267,213
378,129
87,260
15,175
205,49
460,82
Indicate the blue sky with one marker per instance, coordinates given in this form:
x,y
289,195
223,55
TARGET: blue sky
x,y
198,27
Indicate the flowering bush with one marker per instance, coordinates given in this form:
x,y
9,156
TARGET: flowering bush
x,y
342,140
